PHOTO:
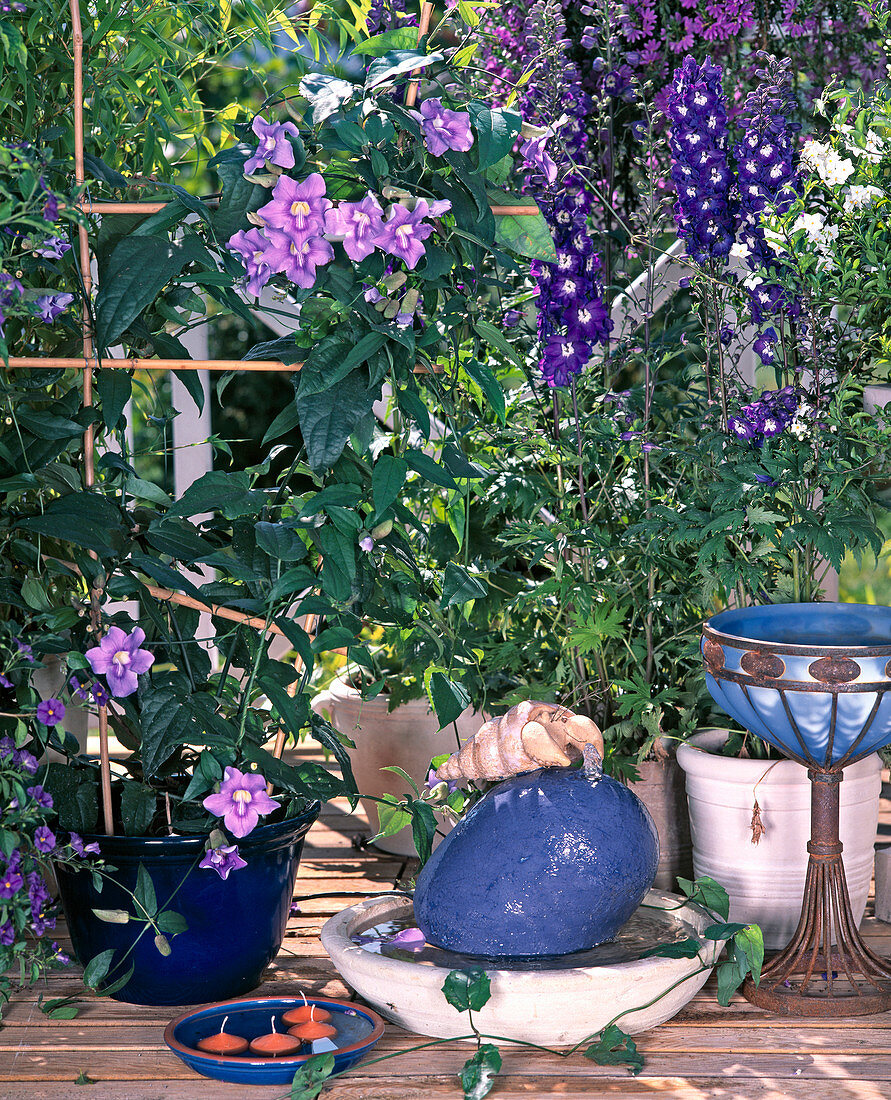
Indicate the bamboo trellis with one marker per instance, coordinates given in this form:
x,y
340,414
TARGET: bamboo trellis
x,y
90,362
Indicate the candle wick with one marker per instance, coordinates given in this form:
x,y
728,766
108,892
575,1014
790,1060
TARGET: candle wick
x,y
303,995
274,1032
312,1012
223,1024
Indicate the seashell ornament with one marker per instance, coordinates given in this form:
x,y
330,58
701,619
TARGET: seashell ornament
x,y
530,735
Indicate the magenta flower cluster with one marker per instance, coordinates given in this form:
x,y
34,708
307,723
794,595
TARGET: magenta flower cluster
x,y
697,110
767,417
291,240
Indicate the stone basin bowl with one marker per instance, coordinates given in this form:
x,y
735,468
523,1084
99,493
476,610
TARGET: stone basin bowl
x,y
554,1007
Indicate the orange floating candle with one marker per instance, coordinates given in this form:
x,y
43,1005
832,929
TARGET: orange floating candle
x,y
275,1045
305,1012
312,1029
223,1042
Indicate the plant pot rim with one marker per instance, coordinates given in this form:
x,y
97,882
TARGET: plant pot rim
x,y
730,628
697,755
285,831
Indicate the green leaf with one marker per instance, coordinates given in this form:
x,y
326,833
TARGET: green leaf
x,y
423,829
488,383
467,989
750,941
616,1048
86,519
138,269
284,424
82,1079
326,94
328,419
479,1072
144,893
171,923
722,931
279,541
240,197
496,130
729,980
707,892
400,38
97,968
392,816
310,1079
387,479
75,798
112,916
448,698
114,388
396,62
210,492
326,365
526,235
137,808
430,469
682,949
498,340
458,586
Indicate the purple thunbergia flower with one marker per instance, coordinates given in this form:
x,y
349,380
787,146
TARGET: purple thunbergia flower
x,y
697,109
44,839
223,860
366,543
81,849
402,233
120,660
10,883
240,801
444,129
51,712
359,223
297,259
51,306
53,248
535,154
274,145
43,798
298,209
252,246
409,939
769,180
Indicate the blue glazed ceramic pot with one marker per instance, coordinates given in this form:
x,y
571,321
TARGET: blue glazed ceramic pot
x,y
813,679
235,926
547,863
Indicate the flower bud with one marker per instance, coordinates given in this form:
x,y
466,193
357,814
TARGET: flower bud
x,y
382,530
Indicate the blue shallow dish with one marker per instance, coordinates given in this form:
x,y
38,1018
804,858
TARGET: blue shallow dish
x,y
813,679
358,1030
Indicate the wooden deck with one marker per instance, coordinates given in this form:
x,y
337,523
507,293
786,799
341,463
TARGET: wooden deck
x,y
706,1051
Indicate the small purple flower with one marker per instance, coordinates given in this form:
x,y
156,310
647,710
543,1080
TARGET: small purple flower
x,y
535,154
80,848
44,839
26,651
119,658
51,712
7,747
82,691
43,798
223,860
7,934
274,145
298,209
401,235
366,543
444,129
60,956
51,208
766,479
252,247
359,223
5,681
53,248
10,883
297,259
25,761
764,345
432,781
99,694
241,801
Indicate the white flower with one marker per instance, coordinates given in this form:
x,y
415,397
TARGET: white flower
x,y
821,158
812,224
837,171
740,251
859,196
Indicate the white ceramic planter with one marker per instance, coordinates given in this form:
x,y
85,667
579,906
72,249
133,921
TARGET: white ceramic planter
x,y
551,1007
765,881
408,737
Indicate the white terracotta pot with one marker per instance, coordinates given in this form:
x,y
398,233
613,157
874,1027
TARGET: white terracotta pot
x,y
408,737
765,881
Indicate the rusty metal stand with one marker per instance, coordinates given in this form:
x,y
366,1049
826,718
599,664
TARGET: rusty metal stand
x,y
826,969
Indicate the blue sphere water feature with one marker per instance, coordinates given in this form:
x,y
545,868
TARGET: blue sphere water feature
x,y
547,863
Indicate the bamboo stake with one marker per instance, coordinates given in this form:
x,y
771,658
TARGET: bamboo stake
x,y
411,94
89,436
23,362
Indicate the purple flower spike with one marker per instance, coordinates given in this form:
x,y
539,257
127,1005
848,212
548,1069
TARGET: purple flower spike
x,y
536,155
223,860
274,145
120,660
298,209
359,223
51,712
51,306
402,234
563,357
444,129
241,801
252,246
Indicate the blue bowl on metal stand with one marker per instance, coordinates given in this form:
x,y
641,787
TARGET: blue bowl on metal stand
x,y
813,680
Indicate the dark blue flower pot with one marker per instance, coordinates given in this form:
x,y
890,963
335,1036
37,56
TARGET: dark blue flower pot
x,y
235,927
547,863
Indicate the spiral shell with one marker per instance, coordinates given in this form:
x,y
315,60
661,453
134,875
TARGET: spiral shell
x,y
530,735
